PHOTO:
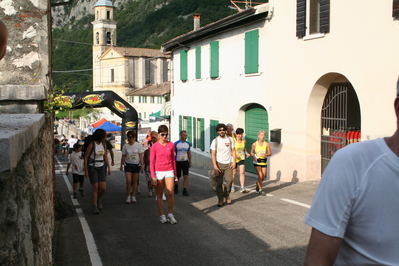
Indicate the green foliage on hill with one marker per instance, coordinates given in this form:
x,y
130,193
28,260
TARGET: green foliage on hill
x,y
141,23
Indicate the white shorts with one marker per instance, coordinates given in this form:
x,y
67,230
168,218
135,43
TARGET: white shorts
x,y
161,175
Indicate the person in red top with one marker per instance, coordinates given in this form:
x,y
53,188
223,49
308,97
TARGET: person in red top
x,y
163,172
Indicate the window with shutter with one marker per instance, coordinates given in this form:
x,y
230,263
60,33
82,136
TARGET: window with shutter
x,y
300,18
201,140
395,9
189,129
312,17
198,62
324,16
212,128
180,123
183,65
195,141
252,52
215,59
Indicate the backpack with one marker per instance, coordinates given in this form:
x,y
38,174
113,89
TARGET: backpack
x,y
89,139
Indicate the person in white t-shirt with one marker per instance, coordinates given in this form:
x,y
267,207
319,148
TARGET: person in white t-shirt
x,y
224,161
355,212
72,142
77,162
133,162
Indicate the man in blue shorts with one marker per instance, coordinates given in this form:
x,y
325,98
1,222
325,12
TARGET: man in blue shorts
x,y
183,161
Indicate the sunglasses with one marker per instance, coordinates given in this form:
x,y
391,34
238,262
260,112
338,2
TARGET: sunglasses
x,y
164,134
221,130
130,137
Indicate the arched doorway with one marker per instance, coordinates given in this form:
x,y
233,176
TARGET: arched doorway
x,y
256,118
340,120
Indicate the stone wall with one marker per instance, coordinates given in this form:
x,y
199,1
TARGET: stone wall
x,y
26,136
26,189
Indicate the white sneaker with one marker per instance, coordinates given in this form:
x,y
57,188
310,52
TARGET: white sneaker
x,y
129,199
242,189
232,189
150,193
163,196
171,219
162,219
134,199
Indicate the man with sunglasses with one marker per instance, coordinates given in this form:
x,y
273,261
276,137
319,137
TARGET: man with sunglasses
x,y
223,160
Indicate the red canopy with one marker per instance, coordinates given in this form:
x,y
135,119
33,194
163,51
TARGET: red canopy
x,y
99,122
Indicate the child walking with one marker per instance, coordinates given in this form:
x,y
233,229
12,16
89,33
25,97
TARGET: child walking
x,y
76,160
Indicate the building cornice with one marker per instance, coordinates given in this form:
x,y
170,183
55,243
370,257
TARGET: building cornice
x,y
237,20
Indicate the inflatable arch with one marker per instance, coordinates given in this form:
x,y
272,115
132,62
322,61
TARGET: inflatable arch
x,y
98,99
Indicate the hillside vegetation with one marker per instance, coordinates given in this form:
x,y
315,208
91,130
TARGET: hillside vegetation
x,y
141,23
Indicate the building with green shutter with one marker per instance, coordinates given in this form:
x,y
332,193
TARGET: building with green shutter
x,y
315,75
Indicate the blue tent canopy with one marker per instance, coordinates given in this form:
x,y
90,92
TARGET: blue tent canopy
x,y
109,127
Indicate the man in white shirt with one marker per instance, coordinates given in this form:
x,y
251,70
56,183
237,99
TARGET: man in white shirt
x,y
355,212
223,160
71,142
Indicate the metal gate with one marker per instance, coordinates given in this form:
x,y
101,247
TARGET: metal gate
x,y
334,121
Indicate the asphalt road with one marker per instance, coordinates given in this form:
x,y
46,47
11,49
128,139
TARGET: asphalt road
x,y
253,230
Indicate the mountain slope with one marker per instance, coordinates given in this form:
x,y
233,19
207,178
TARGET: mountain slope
x,y
141,23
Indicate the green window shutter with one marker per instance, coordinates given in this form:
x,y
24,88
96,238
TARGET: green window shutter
x,y
194,143
198,62
183,65
212,127
252,52
189,129
202,134
215,59
180,123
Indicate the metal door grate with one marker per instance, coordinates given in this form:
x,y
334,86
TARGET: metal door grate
x,y
334,121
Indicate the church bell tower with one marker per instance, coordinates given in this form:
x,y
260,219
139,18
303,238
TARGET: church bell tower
x,y
104,35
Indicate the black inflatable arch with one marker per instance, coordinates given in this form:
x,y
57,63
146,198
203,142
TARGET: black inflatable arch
x,y
98,99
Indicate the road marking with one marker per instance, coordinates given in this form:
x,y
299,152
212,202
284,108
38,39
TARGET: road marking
x,y
297,203
269,195
90,242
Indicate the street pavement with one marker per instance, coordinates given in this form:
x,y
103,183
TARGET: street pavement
x,y
253,230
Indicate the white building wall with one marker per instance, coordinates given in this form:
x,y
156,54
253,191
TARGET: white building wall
x,y
221,98
358,48
294,75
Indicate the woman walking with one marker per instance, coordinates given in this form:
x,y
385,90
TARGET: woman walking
x,y
95,161
259,151
133,161
163,172
241,154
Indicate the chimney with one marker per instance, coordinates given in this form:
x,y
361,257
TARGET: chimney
x,y
197,18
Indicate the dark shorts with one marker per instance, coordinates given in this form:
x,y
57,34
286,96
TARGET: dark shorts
x,y
78,178
64,148
182,166
132,168
262,166
98,174
70,150
242,162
